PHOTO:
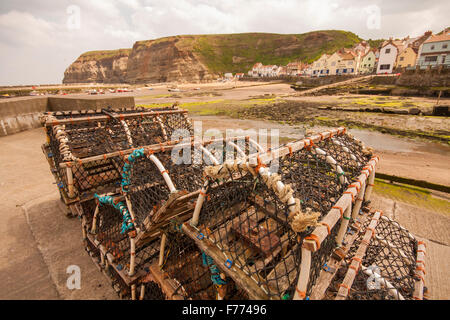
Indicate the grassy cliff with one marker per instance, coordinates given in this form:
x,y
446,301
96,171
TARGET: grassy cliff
x,y
238,52
104,54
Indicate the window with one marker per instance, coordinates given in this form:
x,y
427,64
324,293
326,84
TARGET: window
x,y
402,58
432,48
431,59
443,59
444,46
387,51
369,58
385,66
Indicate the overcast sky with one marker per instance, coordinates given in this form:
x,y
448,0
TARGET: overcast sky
x,y
39,39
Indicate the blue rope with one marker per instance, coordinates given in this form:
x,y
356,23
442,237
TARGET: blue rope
x,y
127,168
127,223
215,272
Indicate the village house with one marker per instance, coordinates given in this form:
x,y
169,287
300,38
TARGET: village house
x,y
435,50
282,71
320,66
368,62
342,62
269,71
388,55
407,58
256,70
239,75
228,76
294,68
361,48
307,71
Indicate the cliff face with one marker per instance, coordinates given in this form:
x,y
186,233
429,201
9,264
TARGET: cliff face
x,y
98,66
164,60
202,57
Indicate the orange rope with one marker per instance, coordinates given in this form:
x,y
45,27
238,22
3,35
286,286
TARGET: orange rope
x,y
301,293
340,209
421,269
260,164
290,150
350,193
326,225
315,238
421,242
345,286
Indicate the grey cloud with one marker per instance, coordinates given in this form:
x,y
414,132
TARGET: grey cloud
x,y
39,46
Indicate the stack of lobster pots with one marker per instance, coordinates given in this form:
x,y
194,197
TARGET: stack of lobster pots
x,y
167,216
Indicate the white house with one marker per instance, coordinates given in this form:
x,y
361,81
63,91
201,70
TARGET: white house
x,y
388,56
269,71
320,66
256,70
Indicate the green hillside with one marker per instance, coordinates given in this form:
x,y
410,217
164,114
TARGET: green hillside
x,y
238,52
104,54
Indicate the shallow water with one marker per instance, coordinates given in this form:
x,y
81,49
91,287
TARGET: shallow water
x,y
374,139
386,142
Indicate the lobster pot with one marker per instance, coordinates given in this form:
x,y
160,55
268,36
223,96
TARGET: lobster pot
x,y
189,276
165,182
80,144
386,265
318,183
110,247
149,190
257,216
189,273
248,224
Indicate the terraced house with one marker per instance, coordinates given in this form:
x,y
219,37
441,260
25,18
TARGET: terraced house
x,y
388,55
407,58
436,51
342,62
368,62
320,66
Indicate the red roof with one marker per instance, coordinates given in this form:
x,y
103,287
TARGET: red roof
x,y
439,38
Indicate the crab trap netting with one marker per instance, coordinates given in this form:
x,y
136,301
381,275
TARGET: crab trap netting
x,y
174,173
110,232
74,136
388,269
318,182
254,221
192,273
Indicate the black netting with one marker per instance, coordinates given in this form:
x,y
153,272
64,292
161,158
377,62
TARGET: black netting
x,y
153,291
247,221
249,224
391,254
183,264
320,257
149,191
102,132
314,181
